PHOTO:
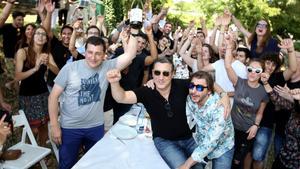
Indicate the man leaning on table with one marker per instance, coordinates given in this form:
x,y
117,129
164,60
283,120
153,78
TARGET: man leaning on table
x,y
79,90
166,107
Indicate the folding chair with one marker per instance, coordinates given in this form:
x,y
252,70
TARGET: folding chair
x,y
32,153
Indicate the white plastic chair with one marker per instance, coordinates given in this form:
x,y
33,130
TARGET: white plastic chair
x,y
32,153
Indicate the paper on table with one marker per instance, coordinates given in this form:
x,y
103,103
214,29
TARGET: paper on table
x,y
123,132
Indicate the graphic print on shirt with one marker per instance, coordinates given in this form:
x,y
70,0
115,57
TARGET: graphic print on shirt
x,y
245,107
90,90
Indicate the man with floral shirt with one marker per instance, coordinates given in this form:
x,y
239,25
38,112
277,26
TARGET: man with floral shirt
x,y
214,134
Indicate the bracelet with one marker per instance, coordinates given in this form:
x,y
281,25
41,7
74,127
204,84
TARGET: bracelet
x,y
256,125
291,51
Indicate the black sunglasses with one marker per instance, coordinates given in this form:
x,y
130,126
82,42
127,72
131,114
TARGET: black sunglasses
x,y
165,73
256,70
167,107
199,88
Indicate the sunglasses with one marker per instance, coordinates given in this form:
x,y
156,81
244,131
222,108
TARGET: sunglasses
x,y
165,73
167,107
260,25
199,88
256,70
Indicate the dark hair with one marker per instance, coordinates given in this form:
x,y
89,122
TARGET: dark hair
x,y
15,14
23,41
31,54
273,57
93,27
96,41
212,55
164,60
207,77
142,35
257,60
245,50
66,27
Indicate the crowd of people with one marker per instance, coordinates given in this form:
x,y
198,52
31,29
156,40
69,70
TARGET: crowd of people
x,y
212,95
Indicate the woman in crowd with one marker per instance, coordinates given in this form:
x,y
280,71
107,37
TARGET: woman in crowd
x,y
260,39
250,99
32,63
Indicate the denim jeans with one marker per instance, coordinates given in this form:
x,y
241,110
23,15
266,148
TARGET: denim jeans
x,y
224,161
72,139
262,141
175,153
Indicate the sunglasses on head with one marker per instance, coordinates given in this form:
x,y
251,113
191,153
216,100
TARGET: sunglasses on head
x,y
165,73
199,88
256,70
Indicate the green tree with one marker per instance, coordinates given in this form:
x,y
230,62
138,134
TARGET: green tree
x,y
110,14
118,10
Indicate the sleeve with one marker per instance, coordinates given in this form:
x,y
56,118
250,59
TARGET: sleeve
x,y
189,115
280,101
140,92
62,77
239,69
210,142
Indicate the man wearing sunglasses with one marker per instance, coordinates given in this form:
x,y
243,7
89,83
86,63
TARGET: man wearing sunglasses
x,y
214,134
166,106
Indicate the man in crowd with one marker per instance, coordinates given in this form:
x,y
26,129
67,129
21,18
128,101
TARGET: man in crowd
x,y
81,86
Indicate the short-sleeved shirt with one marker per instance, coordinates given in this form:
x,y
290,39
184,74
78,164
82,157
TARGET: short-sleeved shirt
x,y
246,104
221,76
172,128
81,103
11,36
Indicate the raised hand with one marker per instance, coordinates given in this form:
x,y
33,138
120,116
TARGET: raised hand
x,y
264,77
148,30
283,92
40,6
226,18
287,44
49,6
113,75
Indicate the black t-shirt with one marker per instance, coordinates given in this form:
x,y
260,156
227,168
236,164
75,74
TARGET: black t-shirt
x,y
11,36
269,113
172,128
61,55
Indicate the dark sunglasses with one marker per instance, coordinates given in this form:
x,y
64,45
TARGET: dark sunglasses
x,y
165,73
256,70
167,107
199,88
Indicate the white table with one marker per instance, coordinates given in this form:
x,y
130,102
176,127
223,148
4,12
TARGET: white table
x,y
111,153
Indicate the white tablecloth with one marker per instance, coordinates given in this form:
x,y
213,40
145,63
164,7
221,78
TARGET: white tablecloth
x,y
111,153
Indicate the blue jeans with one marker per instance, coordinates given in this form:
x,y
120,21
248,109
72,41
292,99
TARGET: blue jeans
x,y
72,139
262,141
176,152
224,161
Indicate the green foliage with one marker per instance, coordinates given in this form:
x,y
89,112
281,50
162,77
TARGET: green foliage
x,y
110,14
118,10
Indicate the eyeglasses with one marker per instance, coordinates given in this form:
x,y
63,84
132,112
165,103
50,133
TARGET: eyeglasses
x,y
167,107
260,25
40,34
256,70
165,73
199,88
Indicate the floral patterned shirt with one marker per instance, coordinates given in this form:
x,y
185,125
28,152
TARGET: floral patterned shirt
x,y
181,68
214,134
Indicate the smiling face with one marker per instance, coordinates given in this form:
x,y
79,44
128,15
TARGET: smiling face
x,y
29,30
261,28
40,36
162,75
167,28
94,55
66,36
205,52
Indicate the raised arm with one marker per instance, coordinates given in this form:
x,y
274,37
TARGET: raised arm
x,y
47,21
153,50
186,55
6,11
72,47
292,68
119,94
228,60
238,24
212,38
125,59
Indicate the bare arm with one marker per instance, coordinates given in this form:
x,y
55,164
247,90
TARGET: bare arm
x,y
240,26
153,50
125,59
292,68
259,114
20,58
186,56
118,93
52,65
72,47
47,21
6,11
228,60
53,113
